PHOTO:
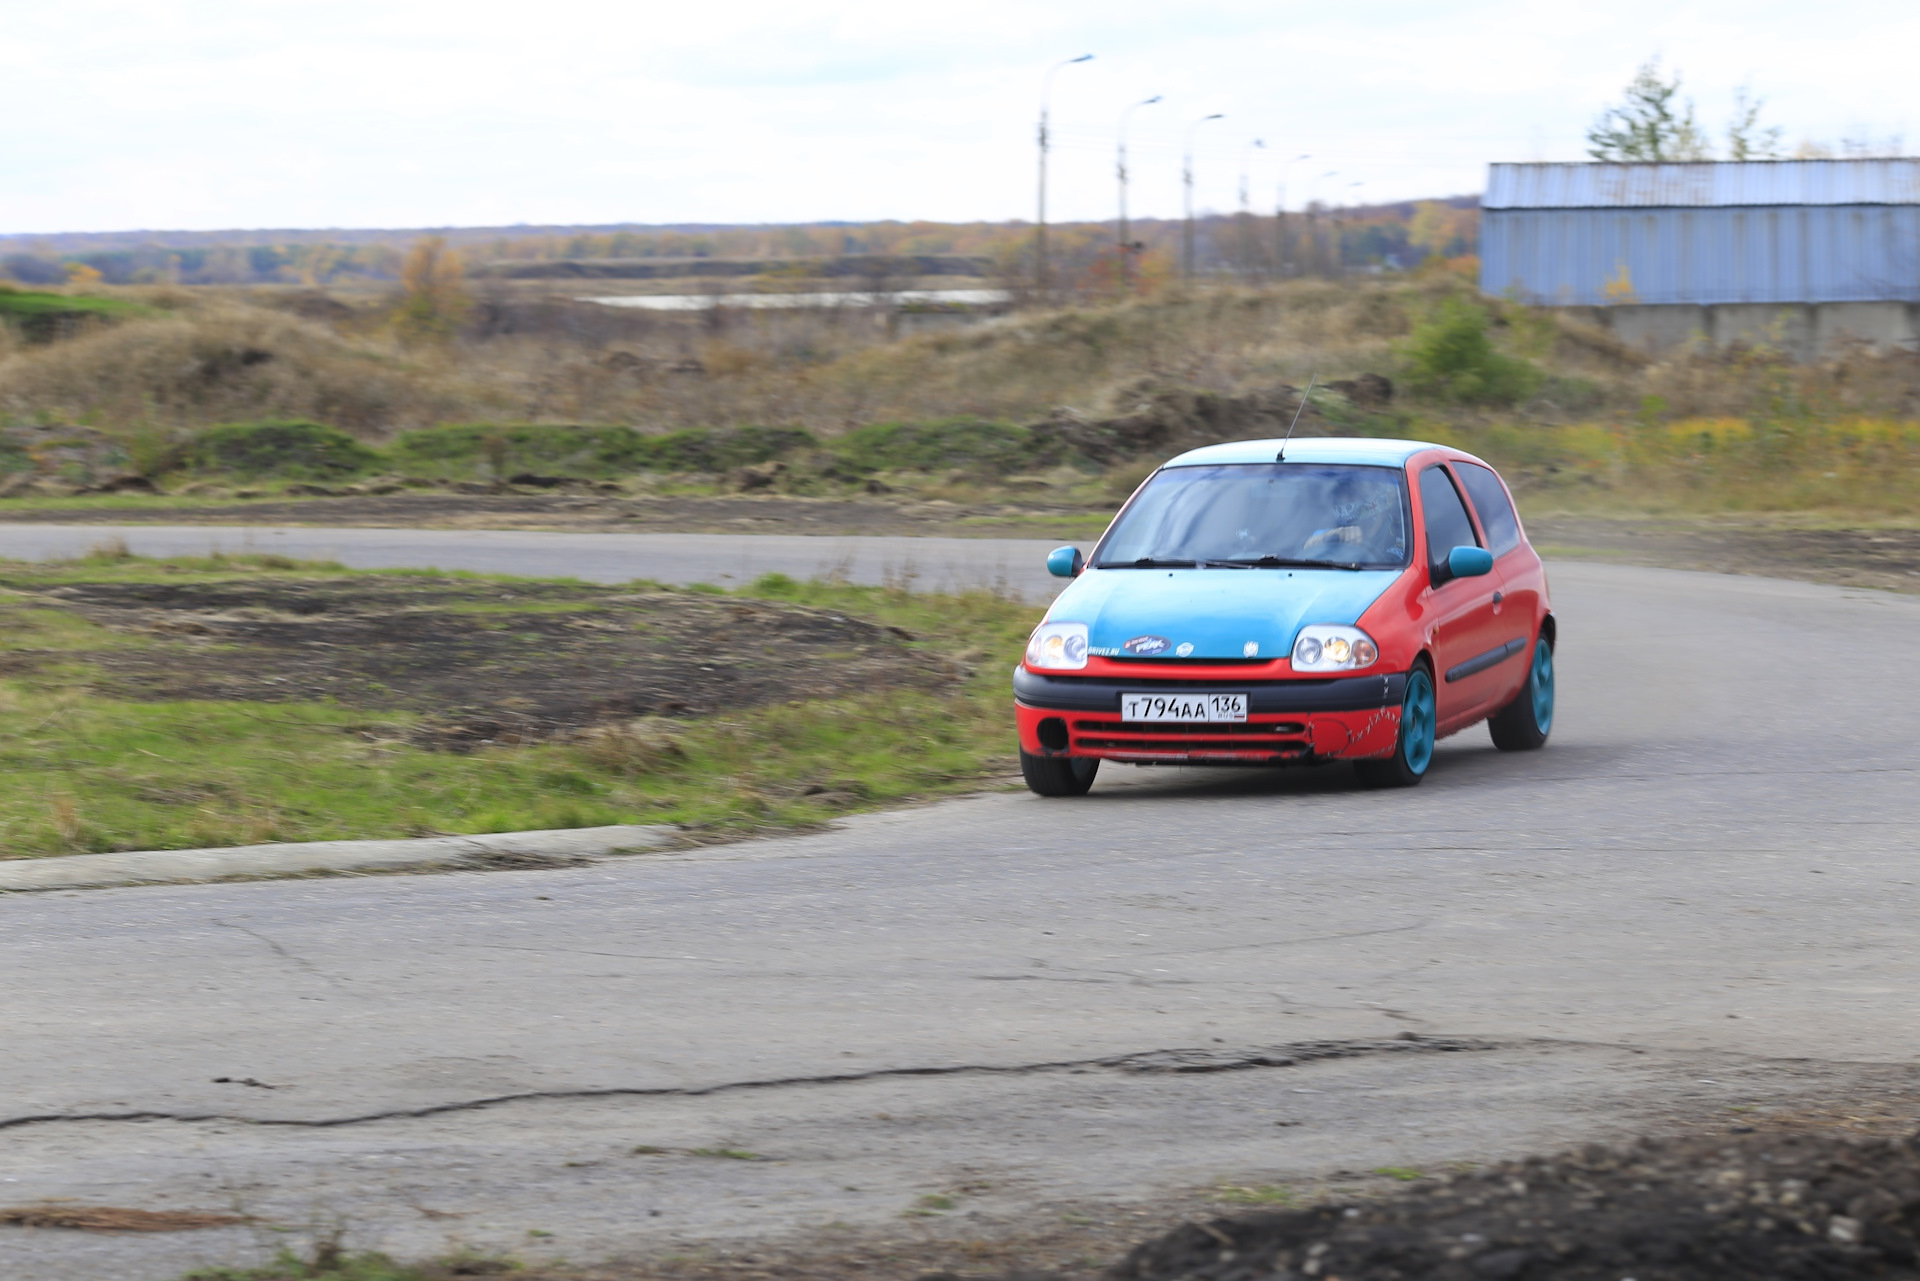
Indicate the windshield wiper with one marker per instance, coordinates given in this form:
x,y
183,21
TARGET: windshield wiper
x,y
1291,562
1147,562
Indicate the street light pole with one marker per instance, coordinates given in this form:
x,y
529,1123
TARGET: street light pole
x,y
1186,178
1313,217
1126,235
1280,216
1040,226
1246,208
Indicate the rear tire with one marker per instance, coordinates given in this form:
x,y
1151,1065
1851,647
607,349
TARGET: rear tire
x,y
1523,724
1058,775
1413,750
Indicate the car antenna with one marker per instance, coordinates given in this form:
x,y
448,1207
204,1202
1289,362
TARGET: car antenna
x,y
1281,457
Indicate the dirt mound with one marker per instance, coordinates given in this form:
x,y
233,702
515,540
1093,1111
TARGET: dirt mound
x,y
225,363
1811,1206
1158,419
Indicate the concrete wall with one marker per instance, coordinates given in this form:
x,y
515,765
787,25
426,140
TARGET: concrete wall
x,y
1804,331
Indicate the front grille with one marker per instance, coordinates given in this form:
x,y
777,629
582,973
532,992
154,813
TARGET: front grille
x,y
1249,741
1187,729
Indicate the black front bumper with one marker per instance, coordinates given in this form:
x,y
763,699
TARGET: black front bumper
x,y
1264,697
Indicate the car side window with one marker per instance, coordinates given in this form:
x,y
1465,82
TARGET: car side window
x,y
1490,500
1446,520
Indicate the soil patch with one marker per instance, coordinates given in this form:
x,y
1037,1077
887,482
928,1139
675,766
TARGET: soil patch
x,y
485,661
112,1218
1885,558
1701,1209
744,514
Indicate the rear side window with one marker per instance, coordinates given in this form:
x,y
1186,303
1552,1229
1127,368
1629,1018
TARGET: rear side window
x,y
1446,517
1490,500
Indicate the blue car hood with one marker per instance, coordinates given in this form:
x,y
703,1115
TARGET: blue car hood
x,y
1218,612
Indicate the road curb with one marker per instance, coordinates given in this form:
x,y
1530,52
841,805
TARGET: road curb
x,y
495,850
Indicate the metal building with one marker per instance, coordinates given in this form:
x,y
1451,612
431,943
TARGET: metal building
x,y
1803,251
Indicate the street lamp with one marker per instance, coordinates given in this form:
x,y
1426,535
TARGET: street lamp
x,y
1245,234
1126,238
1246,205
1313,217
1280,215
1186,177
1040,228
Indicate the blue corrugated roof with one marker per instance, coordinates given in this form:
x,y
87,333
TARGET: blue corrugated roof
x,y
1704,184
1306,449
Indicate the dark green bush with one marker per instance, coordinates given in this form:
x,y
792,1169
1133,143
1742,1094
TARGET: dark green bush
x,y
720,448
972,443
1450,357
577,451
42,317
295,450
589,451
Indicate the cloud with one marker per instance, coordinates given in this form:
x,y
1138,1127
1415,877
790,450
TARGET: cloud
x,y
206,113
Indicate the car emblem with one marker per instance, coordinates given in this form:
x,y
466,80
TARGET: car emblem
x,y
1250,649
1147,646
1185,648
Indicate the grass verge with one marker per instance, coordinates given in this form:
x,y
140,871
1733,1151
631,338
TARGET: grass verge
x,y
86,768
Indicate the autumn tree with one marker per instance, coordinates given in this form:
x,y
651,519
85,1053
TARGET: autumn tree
x,y
1652,124
433,294
1747,138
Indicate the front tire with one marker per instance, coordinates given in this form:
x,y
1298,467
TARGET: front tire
x,y
1523,724
1058,775
1413,751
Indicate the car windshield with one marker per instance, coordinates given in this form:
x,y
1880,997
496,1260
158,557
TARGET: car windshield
x,y
1271,514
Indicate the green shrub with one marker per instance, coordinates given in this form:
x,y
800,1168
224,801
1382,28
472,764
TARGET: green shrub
x,y
589,451
466,447
43,317
719,448
295,450
1451,358
973,443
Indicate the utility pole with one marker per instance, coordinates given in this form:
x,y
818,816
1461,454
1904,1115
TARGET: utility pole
x,y
1040,226
1186,178
1125,243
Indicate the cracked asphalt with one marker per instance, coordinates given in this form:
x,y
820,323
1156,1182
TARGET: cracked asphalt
x,y
1701,896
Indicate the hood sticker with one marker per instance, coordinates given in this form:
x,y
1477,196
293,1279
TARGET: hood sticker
x,y
1184,648
1250,649
1148,646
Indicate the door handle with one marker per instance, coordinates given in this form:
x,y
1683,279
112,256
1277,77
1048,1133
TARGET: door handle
x,y
1498,597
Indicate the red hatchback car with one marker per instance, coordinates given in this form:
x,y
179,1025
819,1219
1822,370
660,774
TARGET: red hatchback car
x,y
1270,603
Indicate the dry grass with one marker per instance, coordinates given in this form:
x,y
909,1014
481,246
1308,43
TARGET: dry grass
x,y
1605,423
220,360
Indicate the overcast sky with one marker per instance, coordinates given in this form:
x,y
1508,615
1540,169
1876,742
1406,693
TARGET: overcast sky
x,y
397,113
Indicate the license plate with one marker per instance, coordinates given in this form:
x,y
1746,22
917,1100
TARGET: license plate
x,y
1183,707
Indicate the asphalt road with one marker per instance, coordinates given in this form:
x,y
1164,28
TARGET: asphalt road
x,y
728,560
1702,895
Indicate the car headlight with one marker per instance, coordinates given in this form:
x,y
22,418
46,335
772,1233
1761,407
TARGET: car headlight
x,y
1322,648
1058,645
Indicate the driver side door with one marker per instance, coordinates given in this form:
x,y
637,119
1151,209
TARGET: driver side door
x,y
1463,628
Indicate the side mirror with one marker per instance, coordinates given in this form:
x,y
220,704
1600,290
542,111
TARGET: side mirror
x,y
1066,562
1469,562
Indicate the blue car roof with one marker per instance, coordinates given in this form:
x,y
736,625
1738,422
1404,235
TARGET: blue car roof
x,y
1309,449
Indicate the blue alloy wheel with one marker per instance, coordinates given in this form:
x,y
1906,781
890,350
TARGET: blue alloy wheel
x,y
1417,722
1541,682
1523,724
1413,751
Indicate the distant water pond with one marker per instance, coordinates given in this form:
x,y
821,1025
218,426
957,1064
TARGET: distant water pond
x,y
901,298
